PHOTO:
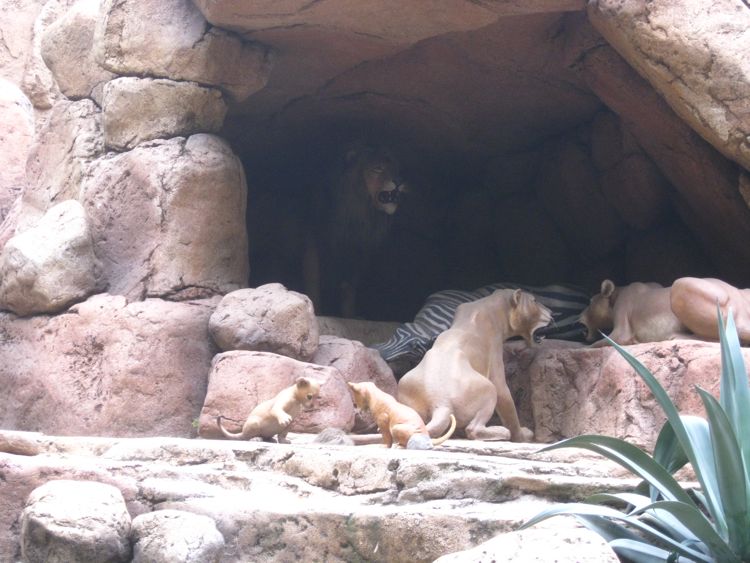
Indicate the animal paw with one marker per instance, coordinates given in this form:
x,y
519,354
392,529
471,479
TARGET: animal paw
x,y
526,435
284,419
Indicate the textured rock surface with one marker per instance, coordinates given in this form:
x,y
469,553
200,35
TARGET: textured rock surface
x,y
356,363
168,218
16,137
268,318
67,520
67,49
240,380
171,39
583,390
575,545
167,536
366,332
59,161
694,53
306,502
106,367
52,265
141,109
707,183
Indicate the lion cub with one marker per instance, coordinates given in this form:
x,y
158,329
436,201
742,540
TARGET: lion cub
x,y
395,420
273,417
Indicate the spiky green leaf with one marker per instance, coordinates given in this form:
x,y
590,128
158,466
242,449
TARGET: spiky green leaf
x,y
639,551
731,476
699,525
692,432
632,458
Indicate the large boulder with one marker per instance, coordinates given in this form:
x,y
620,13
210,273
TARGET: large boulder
x,y
168,218
67,49
107,367
171,39
16,137
82,521
172,536
241,380
694,53
356,363
630,180
135,110
52,265
595,391
269,318
706,182
69,142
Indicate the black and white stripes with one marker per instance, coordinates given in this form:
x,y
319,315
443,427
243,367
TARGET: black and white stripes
x,y
411,340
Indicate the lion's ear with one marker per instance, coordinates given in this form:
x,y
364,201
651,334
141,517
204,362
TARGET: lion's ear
x,y
302,382
515,299
608,287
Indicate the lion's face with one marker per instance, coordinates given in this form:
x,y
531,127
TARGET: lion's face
x,y
599,315
380,173
527,316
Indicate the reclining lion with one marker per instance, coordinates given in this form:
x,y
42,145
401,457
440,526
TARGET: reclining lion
x,y
463,374
694,301
634,313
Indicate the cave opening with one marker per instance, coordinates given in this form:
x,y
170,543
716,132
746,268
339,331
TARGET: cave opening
x,y
517,171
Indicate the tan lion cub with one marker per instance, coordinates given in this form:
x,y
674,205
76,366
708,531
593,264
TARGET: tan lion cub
x,y
396,421
273,417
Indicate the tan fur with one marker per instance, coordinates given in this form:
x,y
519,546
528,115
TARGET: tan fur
x,y
634,313
396,421
352,218
694,302
463,374
273,416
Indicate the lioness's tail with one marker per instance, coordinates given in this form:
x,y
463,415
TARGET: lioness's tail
x,y
443,438
226,432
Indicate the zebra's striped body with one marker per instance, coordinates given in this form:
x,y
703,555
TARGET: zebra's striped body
x,y
411,340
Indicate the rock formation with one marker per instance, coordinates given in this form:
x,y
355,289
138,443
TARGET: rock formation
x,y
157,157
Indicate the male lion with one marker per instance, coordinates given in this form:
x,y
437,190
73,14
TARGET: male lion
x,y
351,219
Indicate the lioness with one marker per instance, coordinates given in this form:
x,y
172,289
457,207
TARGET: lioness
x,y
463,374
273,416
635,313
694,302
395,420
351,219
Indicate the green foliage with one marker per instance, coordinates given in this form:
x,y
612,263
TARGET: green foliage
x,y
661,521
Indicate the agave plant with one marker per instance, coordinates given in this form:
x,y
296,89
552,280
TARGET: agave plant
x,y
661,521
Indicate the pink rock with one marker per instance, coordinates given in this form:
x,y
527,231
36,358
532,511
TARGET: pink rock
x,y
107,368
240,380
268,318
356,363
583,390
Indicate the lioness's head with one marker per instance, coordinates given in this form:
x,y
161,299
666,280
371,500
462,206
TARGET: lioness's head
x,y
378,170
527,316
305,391
598,316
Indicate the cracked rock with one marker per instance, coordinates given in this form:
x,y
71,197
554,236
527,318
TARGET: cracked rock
x,y
269,318
82,521
135,110
50,266
174,536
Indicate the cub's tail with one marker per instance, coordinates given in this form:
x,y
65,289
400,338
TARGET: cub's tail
x,y
226,432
